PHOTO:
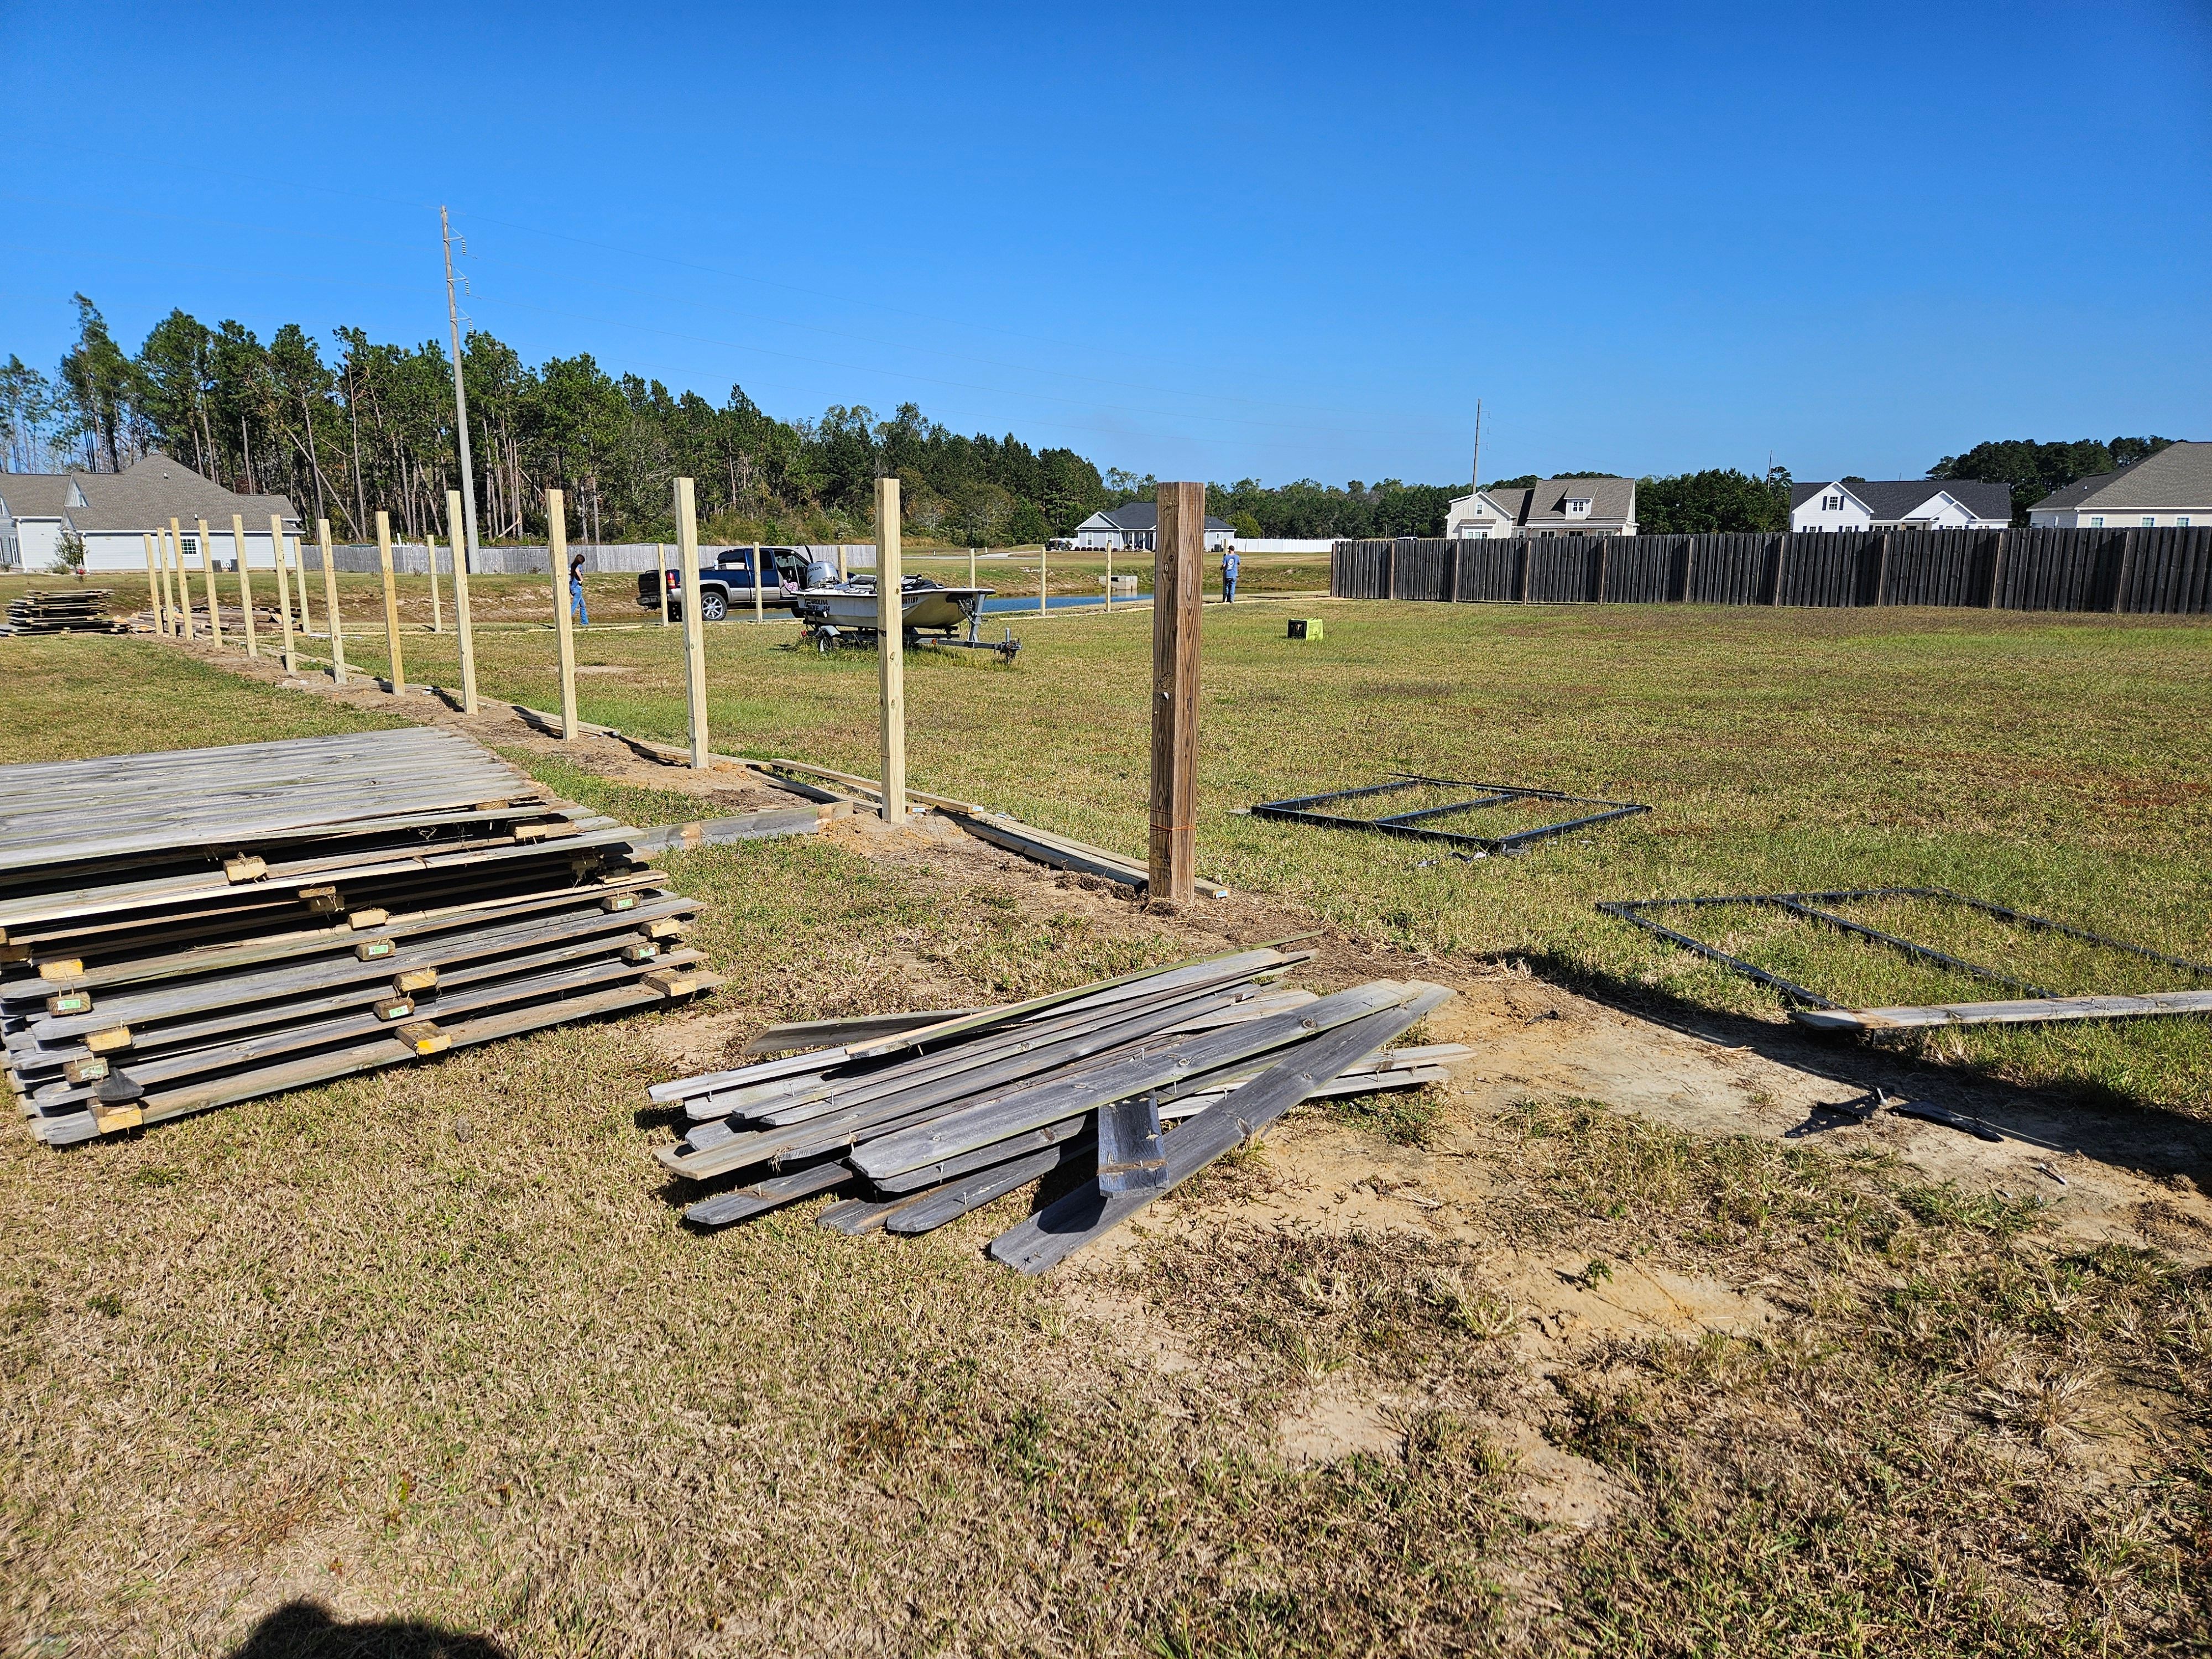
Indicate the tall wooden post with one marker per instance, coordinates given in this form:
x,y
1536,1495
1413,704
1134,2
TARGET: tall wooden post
x,y
184,582
1178,570
1040,579
297,563
430,558
695,642
245,582
556,556
456,522
660,565
153,592
283,591
971,567
331,602
390,601
1109,572
207,570
760,604
891,638
169,619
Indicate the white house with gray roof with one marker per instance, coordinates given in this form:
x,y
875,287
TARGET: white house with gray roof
x,y
1552,506
2173,488
111,512
1137,525
1899,504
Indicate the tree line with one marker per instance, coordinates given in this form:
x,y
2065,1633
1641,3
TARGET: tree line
x,y
356,425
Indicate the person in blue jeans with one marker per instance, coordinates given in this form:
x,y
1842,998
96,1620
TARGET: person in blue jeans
x,y
1229,564
576,592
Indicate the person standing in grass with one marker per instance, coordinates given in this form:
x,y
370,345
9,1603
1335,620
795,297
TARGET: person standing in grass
x,y
577,590
1230,565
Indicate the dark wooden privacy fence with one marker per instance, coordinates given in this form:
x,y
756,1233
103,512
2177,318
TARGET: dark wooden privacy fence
x,y
2135,571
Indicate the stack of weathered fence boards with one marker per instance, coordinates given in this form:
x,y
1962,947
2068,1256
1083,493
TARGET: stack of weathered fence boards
x,y
69,610
184,930
1130,1086
2140,572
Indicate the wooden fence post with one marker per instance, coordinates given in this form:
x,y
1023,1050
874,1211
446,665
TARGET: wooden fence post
x,y
1781,552
1604,556
1689,560
244,582
1041,603
456,530
971,567
1528,566
760,604
695,640
1109,573
2127,563
331,602
1451,582
660,567
557,561
391,602
298,557
182,610
430,558
1881,570
283,591
1178,570
1389,567
1997,570
890,642
206,570
168,588
153,592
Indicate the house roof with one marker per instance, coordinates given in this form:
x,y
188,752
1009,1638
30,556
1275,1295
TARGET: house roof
x,y
2177,478
1894,498
1146,515
144,496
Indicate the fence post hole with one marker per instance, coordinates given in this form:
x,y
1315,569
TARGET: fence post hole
x,y
283,591
890,642
694,641
153,592
557,561
760,604
244,582
660,567
1178,570
456,527
390,601
206,570
331,602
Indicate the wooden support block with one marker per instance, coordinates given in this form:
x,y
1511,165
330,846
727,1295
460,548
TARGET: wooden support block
x,y
668,929
85,1071
69,1002
114,1119
615,901
323,901
644,952
391,1008
14,953
559,830
107,1042
414,980
61,968
670,983
369,950
244,868
424,1038
372,917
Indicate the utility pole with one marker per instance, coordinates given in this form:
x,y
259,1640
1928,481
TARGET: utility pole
x,y
460,399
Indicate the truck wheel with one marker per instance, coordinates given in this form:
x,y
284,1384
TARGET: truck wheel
x,y
714,604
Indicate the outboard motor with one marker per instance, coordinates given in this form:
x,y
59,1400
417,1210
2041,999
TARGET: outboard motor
x,y
820,572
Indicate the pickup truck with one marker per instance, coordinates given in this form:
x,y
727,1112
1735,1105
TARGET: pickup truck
x,y
727,583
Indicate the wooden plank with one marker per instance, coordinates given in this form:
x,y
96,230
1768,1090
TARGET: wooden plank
x,y
777,1191
283,591
245,582
694,643
927,1211
1130,1157
154,601
891,650
391,602
2029,1012
1172,847
557,561
214,599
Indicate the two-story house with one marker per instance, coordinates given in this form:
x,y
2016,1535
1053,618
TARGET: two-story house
x,y
1552,506
2173,488
1899,504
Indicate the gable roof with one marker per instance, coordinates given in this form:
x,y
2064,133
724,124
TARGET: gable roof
x,y
1546,501
2178,478
1894,498
144,496
1146,515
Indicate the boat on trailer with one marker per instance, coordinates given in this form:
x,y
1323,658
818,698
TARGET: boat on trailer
x,y
835,613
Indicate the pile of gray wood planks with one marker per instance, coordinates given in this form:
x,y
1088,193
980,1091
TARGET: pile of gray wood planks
x,y
191,928
1119,1090
71,610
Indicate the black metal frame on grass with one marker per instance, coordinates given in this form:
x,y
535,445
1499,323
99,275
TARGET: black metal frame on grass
x,y
1404,824
1804,905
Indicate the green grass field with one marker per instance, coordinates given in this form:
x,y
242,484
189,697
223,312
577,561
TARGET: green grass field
x,y
2055,764
429,1349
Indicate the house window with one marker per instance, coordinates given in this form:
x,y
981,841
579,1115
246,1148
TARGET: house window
x,y
2182,521
2098,522
2148,522
190,544
1832,503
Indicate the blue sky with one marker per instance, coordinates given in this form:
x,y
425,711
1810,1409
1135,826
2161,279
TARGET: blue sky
x,y
1201,242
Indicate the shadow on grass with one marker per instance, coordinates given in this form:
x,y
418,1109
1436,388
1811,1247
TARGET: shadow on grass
x,y
305,1630
2101,1123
